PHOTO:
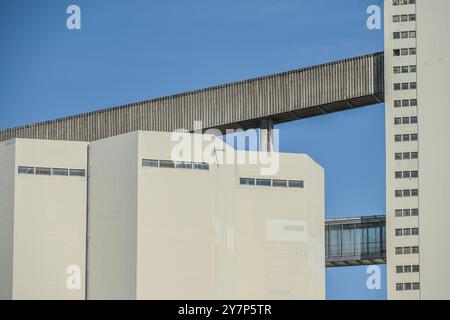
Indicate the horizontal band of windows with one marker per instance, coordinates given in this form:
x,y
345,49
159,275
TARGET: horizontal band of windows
x,y
280,183
405,86
406,137
43,171
404,17
405,120
404,52
406,156
406,232
407,250
405,69
406,174
405,103
404,34
407,286
175,164
403,2
406,193
407,212
407,268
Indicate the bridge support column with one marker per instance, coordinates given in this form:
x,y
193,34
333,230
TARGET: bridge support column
x,y
266,135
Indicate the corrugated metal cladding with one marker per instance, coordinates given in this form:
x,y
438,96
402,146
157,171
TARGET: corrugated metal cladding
x,y
283,97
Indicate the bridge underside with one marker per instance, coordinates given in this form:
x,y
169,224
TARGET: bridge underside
x,y
283,97
355,241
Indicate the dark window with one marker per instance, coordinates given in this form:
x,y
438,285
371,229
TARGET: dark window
x,y
412,69
398,212
26,170
279,183
396,35
407,269
201,166
397,121
415,268
415,249
406,212
149,163
247,181
398,193
414,155
413,119
166,164
295,184
406,193
398,175
398,156
406,155
399,250
396,52
399,269
406,231
77,172
415,212
414,231
44,171
183,165
397,103
406,250
399,286
60,172
263,182
398,232
416,286
407,286
414,192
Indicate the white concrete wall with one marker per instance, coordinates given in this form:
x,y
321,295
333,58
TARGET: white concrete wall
x,y
434,144
49,220
7,175
112,218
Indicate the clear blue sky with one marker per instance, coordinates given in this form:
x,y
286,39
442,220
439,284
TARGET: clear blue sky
x,y
130,50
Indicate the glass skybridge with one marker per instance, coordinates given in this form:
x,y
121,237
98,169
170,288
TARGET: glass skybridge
x,y
355,241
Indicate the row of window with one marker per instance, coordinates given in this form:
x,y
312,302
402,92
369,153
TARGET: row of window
x,y
402,2
406,155
406,193
43,171
405,86
405,69
406,174
405,103
405,120
404,52
407,268
406,232
407,250
405,137
175,164
272,183
406,212
404,34
404,17
407,286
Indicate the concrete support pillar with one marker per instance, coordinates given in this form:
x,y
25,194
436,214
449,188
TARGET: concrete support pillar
x,y
266,135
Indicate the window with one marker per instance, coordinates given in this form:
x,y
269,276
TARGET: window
x,y
413,102
412,51
414,174
399,269
395,2
406,174
413,120
412,69
405,69
404,17
398,138
398,156
406,250
26,170
412,17
396,52
398,213
399,286
414,155
406,193
414,192
399,250
201,166
44,171
397,103
398,232
398,175
295,184
166,164
405,120
405,86
414,212
279,183
404,51
396,18
406,155
405,103
412,34
413,85
407,269
183,165
416,286
406,231
397,86
247,181
414,231
406,137
415,249
397,121
149,163
414,137
397,69
398,193
415,268
404,34
77,172
406,212
60,172
263,182
396,35
407,286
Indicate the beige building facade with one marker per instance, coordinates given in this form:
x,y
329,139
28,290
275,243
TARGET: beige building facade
x,y
140,225
417,154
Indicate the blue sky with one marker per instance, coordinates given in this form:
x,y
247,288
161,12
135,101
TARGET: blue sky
x,y
131,50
